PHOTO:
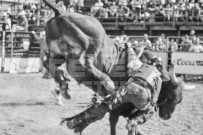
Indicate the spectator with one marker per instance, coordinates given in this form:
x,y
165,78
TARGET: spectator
x,y
43,50
61,7
113,9
104,13
192,35
122,2
160,14
159,45
192,4
196,47
162,39
135,44
33,8
132,16
200,3
168,12
70,9
186,43
151,7
147,43
163,2
151,10
22,23
137,4
145,16
181,12
44,15
81,3
106,3
123,13
124,38
173,46
98,5
195,13
6,22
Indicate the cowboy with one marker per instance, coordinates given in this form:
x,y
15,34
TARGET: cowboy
x,y
43,50
22,21
6,22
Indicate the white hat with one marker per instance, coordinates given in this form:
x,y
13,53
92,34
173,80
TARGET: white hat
x,y
135,42
4,14
43,33
22,13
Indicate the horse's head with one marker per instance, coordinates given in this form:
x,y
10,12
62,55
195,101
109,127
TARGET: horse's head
x,y
171,94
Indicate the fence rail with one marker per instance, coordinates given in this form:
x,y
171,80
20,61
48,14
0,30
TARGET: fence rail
x,y
185,62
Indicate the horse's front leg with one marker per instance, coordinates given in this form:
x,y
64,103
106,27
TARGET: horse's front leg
x,y
138,118
63,74
113,119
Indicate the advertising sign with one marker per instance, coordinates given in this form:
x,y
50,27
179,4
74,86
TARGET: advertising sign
x,y
25,65
188,63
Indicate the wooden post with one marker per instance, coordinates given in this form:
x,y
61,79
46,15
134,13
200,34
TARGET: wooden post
x,y
173,17
38,12
3,51
144,25
12,44
187,14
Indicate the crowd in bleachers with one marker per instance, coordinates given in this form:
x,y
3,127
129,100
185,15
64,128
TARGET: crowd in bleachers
x,y
150,10
26,14
162,43
124,10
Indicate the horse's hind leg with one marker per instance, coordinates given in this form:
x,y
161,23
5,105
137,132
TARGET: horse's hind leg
x,y
56,69
113,119
87,59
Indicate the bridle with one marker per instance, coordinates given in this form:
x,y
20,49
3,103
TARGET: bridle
x,y
163,102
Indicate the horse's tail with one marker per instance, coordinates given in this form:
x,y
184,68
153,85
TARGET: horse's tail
x,y
56,11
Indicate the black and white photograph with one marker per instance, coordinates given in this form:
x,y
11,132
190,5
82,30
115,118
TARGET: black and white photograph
x,y
101,67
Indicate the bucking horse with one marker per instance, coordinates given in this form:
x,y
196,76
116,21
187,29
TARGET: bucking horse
x,y
73,39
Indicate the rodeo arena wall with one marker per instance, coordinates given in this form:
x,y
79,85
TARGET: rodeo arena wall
x,y
20,53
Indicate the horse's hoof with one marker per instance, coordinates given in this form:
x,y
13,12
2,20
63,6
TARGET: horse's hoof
x,y
109,85
66,94
59,103
70,124
54,92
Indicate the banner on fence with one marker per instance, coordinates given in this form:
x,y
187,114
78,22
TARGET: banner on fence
x,y
188,63
164,57
24,65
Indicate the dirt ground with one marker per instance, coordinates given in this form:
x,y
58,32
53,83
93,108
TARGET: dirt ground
x,y
27,108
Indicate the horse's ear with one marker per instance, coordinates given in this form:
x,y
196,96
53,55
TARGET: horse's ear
x,y
141,51
172,74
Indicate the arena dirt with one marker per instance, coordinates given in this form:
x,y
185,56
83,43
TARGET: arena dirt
x,y
27,108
